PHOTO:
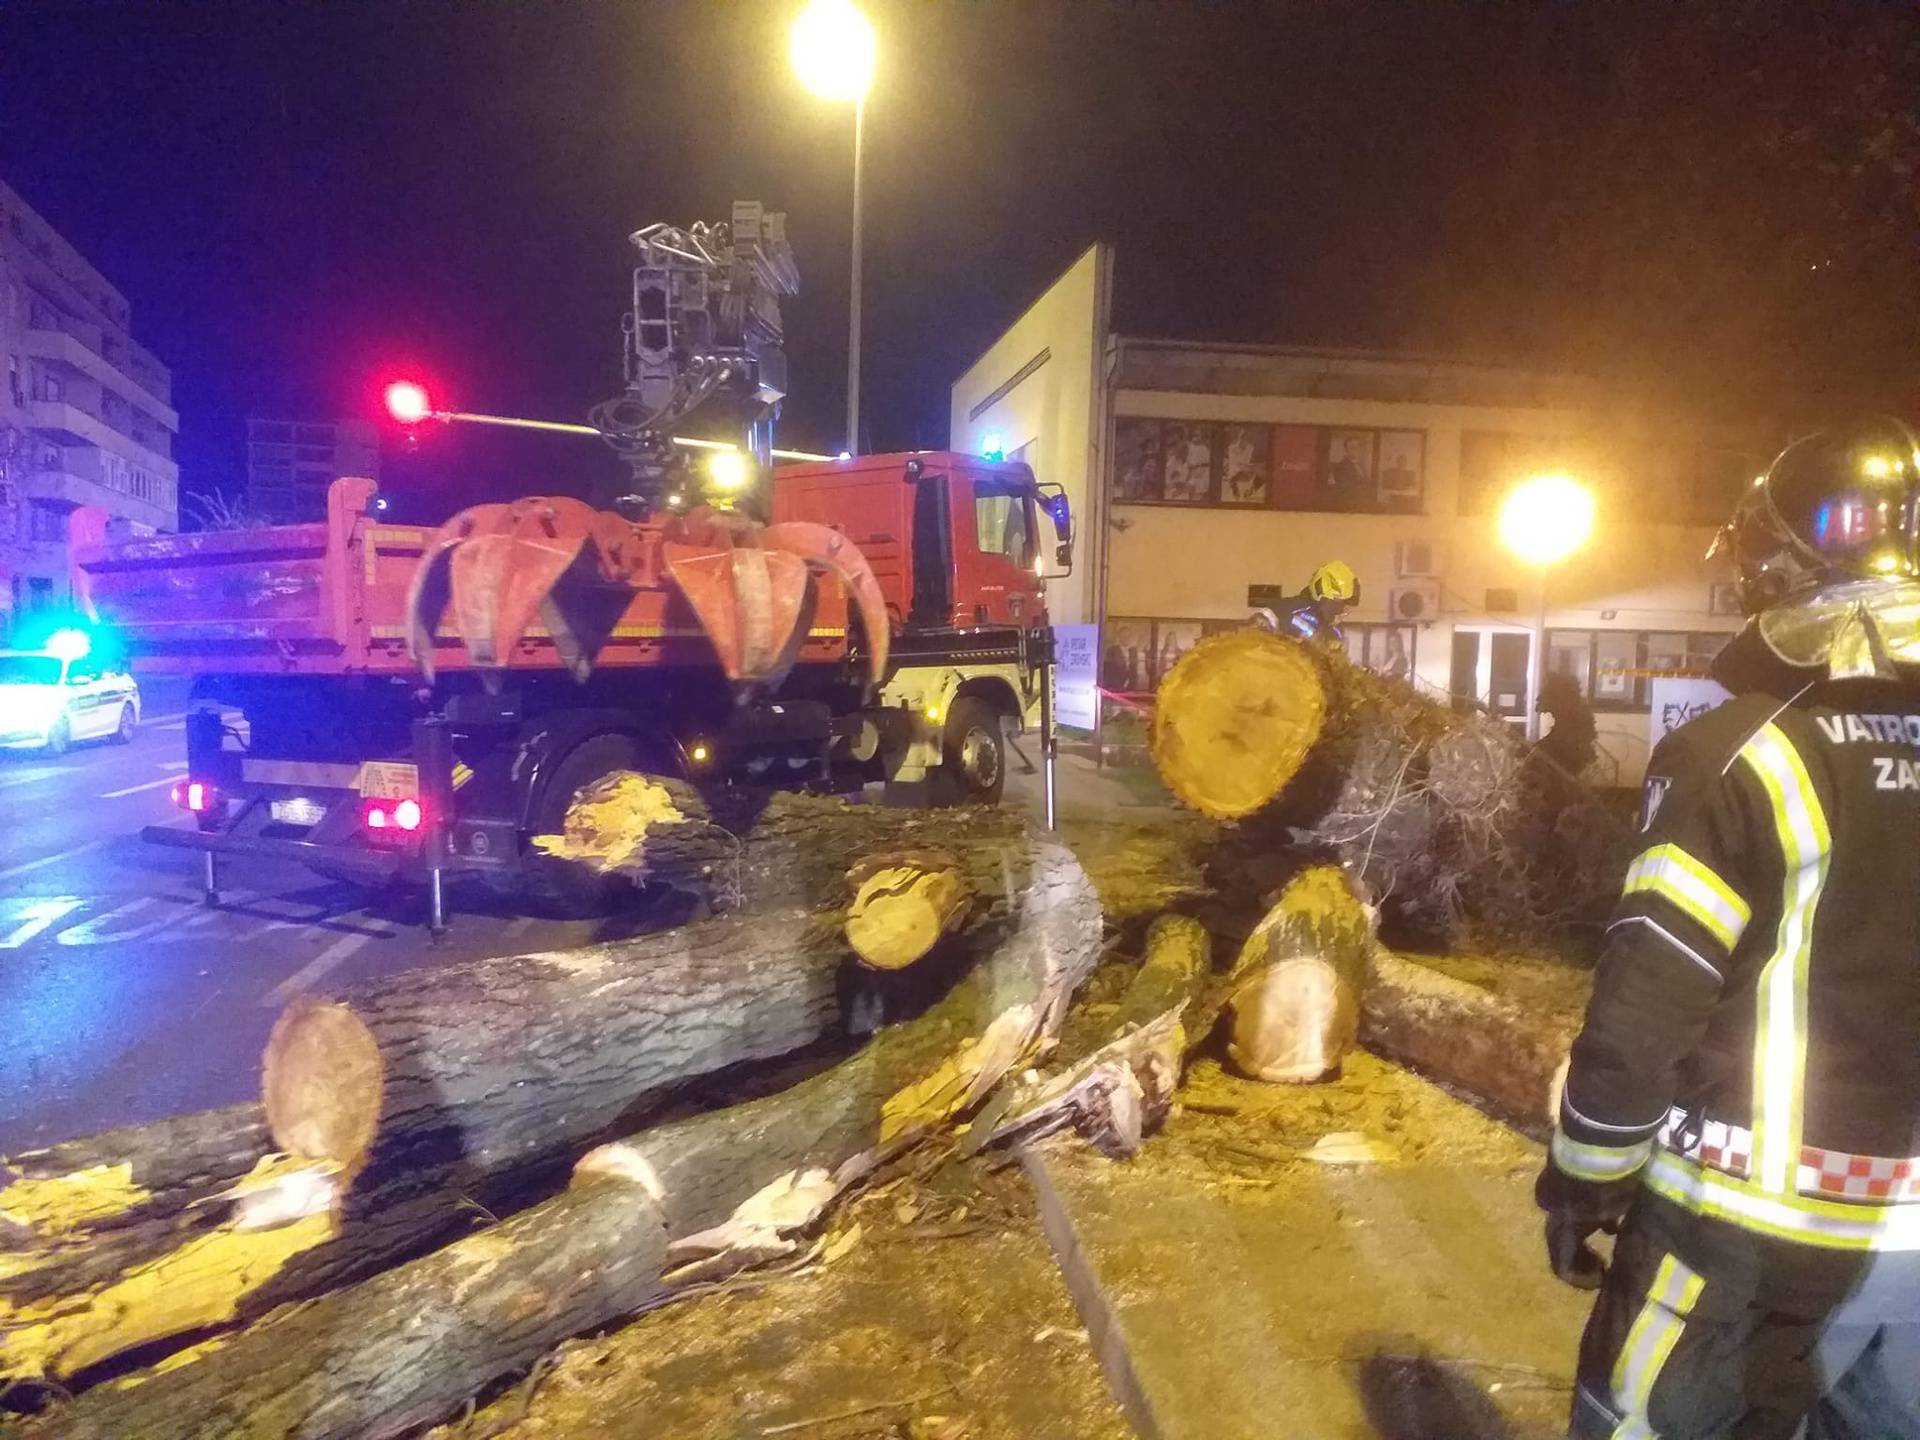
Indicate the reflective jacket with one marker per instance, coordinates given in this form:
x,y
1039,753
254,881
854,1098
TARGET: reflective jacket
x,y
1752,1047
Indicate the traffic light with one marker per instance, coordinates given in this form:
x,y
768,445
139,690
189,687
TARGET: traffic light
x,y
407,402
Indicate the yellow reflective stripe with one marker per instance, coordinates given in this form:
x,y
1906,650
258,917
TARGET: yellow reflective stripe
x,y
1780,1011
1679,878
1654,1333
1831,1224
1597,1162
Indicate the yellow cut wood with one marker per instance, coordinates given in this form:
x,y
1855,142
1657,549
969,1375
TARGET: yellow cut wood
x,y
1295,1009
900,911
613,826
1234,720
56,1205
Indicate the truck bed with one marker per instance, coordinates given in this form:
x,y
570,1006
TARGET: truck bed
x,y
330,598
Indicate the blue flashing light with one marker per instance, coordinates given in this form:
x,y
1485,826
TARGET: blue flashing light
x,y
993,447
69,644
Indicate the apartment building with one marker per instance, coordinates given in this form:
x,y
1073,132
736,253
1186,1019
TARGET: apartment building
x,y
1212,479
290,463
86,414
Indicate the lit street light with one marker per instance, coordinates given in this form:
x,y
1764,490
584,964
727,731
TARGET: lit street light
x,y
833,53
1543,521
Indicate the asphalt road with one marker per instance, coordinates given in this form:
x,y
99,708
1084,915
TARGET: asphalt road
x,y
123,997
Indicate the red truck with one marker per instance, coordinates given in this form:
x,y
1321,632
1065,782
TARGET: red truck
x,y
381,700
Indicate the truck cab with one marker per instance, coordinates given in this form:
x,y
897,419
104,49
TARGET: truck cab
x,y
956,542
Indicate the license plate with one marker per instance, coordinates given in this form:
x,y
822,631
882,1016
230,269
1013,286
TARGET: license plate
x,y
388,780
297,810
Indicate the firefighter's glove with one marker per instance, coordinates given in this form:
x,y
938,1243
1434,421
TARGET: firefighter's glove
x,y
1577,1210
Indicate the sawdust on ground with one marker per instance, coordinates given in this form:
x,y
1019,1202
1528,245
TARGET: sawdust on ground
x,y
943,1318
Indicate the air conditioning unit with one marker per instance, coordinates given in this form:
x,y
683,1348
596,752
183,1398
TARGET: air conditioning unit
x,y
1416,560
1417,602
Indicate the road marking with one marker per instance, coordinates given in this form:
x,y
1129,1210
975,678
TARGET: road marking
x,y
177,724
45,860
37,916
303,979
136,789
173,764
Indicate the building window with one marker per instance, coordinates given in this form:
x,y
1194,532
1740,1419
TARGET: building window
x,y
1278,467
46,521
1612,667
1386,650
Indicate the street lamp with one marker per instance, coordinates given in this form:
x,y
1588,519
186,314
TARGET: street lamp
x,y
1543,520
833,53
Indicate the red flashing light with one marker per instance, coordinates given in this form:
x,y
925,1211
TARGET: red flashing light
x,y
407,402
194,795
405,816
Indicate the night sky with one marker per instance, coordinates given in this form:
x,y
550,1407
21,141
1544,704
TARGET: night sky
x,y
302,201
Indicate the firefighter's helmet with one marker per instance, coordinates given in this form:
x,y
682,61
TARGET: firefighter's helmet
x,y
1334,580
1839,505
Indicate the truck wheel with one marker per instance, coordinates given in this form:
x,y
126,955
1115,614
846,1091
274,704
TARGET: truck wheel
x,y
59,737
123,733
554,886
974,768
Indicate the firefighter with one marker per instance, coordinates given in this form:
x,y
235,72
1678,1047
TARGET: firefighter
x,y
1317,609
1743,1103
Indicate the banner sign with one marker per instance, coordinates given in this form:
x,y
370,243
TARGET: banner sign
x,y
1076,676
1678,699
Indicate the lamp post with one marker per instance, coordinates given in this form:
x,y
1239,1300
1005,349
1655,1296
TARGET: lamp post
x,y
833,53
1543,520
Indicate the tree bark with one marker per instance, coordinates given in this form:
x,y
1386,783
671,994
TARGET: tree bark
x,y
729,1188
1485,1044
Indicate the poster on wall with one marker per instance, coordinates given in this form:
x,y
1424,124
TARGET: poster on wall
x,y
1296,467
1402,468
1186,463
1246,459
1126,659
1676,699
1076,676
1172,639
1350,470
1136,459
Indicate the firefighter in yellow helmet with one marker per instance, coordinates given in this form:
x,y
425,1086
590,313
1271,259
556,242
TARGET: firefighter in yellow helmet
x,y
1317,609
1743,1102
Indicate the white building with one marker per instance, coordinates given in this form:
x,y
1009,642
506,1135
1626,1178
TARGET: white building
x,y
86,415
1209,479
290,463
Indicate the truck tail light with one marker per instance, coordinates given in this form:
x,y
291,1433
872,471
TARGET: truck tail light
x,y
194,795
394,817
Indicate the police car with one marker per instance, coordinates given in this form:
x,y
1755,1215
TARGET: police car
x,y
53,697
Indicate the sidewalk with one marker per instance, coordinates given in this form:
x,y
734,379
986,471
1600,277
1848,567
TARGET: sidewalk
x,y
1237,1290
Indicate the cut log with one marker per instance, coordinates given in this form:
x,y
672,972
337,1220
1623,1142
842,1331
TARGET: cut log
x,y
407,1347
1294,996
903,905
729,1187
1500,1052
1424,804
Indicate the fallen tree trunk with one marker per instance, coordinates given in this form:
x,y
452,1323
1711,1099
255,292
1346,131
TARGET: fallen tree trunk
x,y
730,1187
745,850
1501,1053
1425,804
903,905
128,1177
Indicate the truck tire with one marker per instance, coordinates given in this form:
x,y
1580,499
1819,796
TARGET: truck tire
x,y
973,768
555,887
